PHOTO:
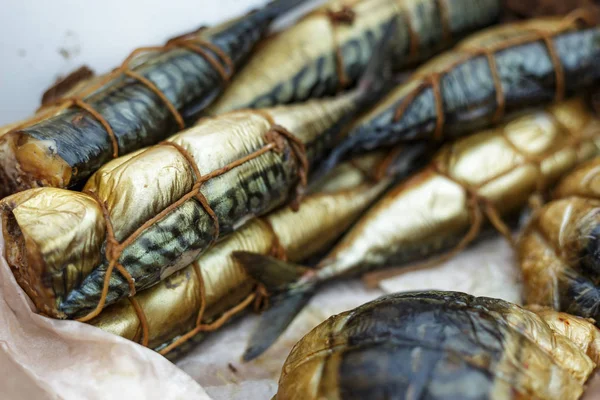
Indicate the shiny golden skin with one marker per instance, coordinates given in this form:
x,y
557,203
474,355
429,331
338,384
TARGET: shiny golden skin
x,y
504,165
442,345
171,307
54,237
558,250
300,62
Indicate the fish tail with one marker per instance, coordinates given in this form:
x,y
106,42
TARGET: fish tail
x,y
372,86
288,299
375,80
337,155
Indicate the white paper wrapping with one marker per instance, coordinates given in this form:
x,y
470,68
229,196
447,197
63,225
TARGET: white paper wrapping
x,y
42,358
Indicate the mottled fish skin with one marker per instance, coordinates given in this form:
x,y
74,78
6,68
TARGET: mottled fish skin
x,y
136,114
440,345
526,73
172,306
175,241
559,250
252,189
300,63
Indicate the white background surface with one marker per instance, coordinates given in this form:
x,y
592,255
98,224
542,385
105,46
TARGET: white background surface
x,y
41,40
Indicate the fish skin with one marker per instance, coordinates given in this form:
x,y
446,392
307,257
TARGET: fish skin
x,y
370,245
432,211
138,117
526,73
136,188
437,345
171,306
558,249
251,189
309,69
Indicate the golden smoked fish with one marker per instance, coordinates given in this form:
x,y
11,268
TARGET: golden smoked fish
x,y
204,295
560,247
146,215
442,345
500,70
329,49
492,173
152,96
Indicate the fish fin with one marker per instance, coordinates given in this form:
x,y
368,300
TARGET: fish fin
x,y
273,322
405,160
375,80
275,274
290,297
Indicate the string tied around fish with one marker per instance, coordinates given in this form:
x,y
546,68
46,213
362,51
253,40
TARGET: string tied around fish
x,y
191,41
433,80
277,139
478,205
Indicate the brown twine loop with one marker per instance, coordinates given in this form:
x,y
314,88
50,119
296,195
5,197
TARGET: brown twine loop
x,y
68,102
479,205
261,302
444,19
381,170
434,80
277,249
345,15
558,68
112,253
415,40
145,331
221,63
277,136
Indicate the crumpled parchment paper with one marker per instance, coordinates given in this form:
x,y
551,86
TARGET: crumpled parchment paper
x,y
42,358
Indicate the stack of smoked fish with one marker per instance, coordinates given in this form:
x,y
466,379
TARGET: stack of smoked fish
x,y
234,169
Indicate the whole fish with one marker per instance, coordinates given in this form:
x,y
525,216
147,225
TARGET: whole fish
x,y
497,71
158,94
153,212
442,345
329,49
558,250
492,173
215,283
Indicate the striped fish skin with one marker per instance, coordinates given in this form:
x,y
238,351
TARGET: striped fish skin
x,y
430,212
171,307
305,59
442,345
558,250
526,72
137,187
67,148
